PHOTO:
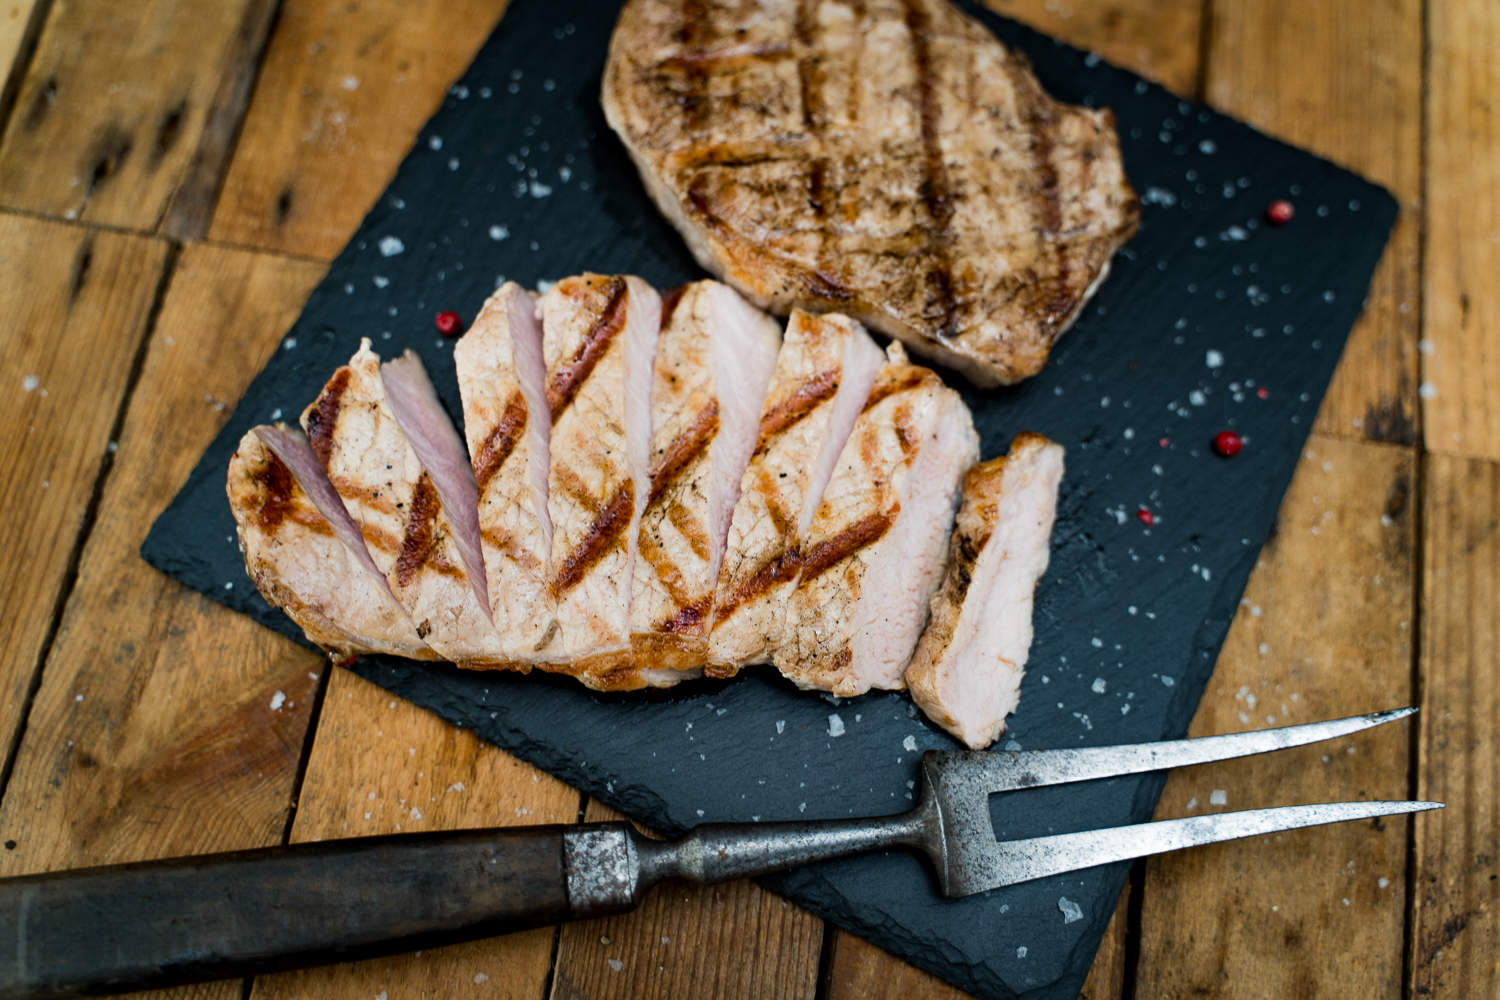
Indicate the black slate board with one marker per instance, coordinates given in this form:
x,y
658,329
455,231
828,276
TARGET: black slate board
x,y
1211,320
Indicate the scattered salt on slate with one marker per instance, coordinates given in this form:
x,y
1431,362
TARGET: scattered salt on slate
x,y
1212,320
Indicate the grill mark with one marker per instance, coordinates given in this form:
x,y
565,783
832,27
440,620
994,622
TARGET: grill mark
x,y
500,441
610,522
828,553
817,199
935,193
416,544
276,485
791,410
858,8
670,300
1053,300
325,413
780,568
683,450
909,378
667,573
687,525
688,617
571,484
731,155
563,386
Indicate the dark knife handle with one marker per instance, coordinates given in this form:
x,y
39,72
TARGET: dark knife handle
x,y
162,923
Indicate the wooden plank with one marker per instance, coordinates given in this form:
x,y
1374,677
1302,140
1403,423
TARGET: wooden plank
x,y
1324,631
381,765
343,90
122,103
164,724
731,940
857,970
60,288
1461,359
1344,81
1158,40
1456,917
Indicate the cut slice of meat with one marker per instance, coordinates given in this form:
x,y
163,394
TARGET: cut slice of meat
x,y
419,522
890,161
713,365
823,375
503,382
305,553
599,342
874,552
966,672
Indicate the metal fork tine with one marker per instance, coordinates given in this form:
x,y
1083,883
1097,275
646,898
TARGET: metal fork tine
x,y
1002,771
1037,857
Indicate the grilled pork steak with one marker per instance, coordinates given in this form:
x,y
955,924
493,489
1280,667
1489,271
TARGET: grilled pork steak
x,y
410,508
599,343
966,672
823,375
714,361
874,553
305,553
503,382
891,161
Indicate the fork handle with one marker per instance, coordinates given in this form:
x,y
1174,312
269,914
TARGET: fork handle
x,y
162,923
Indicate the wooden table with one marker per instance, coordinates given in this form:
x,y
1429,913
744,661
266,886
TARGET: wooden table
x,y
174,178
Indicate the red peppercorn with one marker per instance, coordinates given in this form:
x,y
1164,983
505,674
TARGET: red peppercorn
x,y
1163,442
1263,392
1145,516
1280,212
1228,444
447,322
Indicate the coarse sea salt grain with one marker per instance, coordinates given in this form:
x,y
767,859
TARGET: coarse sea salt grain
x,y
1213,359
1071,911
909,744
390,246
277,700
835,725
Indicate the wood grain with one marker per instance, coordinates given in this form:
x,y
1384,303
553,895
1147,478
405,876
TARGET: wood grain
x,y
157,729
1158,40
1343,79
61,287
1461,304
731,940
343,90
1324,630
124,105
382,765
1456,916
857,970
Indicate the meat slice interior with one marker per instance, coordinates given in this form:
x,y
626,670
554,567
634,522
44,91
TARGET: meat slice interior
x,y
966,672
823,374
305,553
874,552
418,522
713,364
599,341
502,381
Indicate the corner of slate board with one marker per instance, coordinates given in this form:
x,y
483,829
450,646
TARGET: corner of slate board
x,y
1207,311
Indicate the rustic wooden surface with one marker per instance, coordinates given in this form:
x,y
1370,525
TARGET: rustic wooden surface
x,y
172,174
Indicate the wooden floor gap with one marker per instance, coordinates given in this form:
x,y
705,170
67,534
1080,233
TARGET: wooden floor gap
x,y
90,518
824,983
10,90
304,759
1205,43
552,965
1134,907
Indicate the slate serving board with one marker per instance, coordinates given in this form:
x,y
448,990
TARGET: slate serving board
x,y
1211,320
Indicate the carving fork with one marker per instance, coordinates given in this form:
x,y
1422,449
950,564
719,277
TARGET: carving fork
x,y
161,923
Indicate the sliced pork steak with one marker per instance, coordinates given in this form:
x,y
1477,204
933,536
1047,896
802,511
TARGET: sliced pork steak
x,y
599,342
966,672
305,552
419,520
874,552
891,161
502,380
714,361
823,374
